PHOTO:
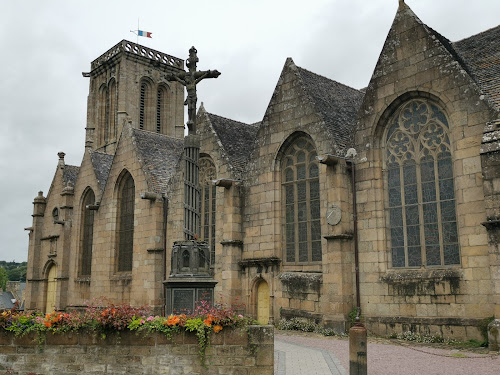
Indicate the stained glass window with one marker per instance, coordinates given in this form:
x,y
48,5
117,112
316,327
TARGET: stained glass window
x,y
87,233
301,203
420,188
208,204
126,206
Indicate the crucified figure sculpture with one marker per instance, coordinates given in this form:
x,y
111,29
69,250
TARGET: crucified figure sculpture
x,y
190,79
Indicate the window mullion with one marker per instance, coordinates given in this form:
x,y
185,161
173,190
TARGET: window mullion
x,y
438,210
403,211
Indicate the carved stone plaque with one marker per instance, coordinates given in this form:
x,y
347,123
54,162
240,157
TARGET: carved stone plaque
x,y
183,301
333,215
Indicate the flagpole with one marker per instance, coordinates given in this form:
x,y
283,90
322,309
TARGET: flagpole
x,y
138,28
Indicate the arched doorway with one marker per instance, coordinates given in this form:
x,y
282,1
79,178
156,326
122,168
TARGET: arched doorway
x,y
263,302
50,304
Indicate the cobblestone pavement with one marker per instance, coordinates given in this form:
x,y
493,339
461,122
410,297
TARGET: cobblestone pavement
x,y
312,354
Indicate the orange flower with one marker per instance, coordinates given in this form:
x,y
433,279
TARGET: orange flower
x,y
47,324
208,321
173,320
217,328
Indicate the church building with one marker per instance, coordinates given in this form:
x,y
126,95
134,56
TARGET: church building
x,y
386,197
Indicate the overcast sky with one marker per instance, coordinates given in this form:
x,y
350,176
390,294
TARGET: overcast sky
x,y
46,45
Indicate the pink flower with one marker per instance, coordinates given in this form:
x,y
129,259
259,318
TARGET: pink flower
x,y
143,321
150,318
240,316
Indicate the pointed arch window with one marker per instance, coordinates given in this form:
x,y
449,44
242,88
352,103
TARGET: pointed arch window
x,y
301,204
125,232
87,233
112,110
145,103
208,203
420,189
161,105
103,114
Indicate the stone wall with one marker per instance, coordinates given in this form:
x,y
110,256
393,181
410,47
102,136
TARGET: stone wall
x,y
230,352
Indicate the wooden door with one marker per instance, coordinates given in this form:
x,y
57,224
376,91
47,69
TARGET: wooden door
x,y
263,302
50,304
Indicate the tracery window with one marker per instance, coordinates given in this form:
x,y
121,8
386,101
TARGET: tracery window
x,y
125,232
87,233
301,204
421,194
208,204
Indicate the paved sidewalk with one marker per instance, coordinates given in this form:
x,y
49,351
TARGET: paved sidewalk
x,y
312,354
296,359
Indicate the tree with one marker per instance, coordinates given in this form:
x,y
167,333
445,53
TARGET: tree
x,y
3,278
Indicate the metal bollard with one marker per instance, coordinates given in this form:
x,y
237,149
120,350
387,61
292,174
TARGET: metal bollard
x,y
357,350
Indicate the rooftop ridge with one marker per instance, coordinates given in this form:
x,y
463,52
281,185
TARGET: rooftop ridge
x,y
138,50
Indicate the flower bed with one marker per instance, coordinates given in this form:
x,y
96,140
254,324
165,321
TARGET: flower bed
x,y
205,322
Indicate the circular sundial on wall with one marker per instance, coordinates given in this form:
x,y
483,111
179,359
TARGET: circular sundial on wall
x,y
333,215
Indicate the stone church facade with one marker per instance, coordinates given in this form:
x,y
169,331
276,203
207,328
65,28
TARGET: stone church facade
x,y
418,147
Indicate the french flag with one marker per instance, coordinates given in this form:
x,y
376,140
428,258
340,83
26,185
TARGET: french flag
x,y
146,34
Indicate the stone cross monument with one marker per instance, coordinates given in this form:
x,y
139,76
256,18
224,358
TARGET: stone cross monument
x,y
190,79
190,277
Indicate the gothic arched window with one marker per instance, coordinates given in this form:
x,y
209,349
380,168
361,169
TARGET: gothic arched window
x,y
208,204
112,110
421,195
145,103
125,232
301,204
87,233
161,105
103,114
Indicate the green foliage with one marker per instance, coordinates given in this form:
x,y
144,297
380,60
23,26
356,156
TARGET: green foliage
x,y
304,325
15,271
483,328
415,337
3,278
103,318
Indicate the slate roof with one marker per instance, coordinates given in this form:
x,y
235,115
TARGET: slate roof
x,y
160,156
481,54
237,139
338,104
70,174
102,165
6,300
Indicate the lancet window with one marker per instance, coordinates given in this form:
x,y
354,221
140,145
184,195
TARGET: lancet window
x,y
301,203
420,187
87,233
125,232
208,203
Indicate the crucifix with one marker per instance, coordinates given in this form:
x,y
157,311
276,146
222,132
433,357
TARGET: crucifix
x,y
190,79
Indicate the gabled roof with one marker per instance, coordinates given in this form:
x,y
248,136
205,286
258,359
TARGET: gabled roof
x,y
160,156
102,165
336,103
481,54
237,139
70,173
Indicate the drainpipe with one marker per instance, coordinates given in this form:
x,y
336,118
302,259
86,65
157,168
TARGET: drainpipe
x,y
357,333
165,214
355,235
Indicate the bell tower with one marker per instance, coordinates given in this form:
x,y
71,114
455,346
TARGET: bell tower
x,y
128,85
